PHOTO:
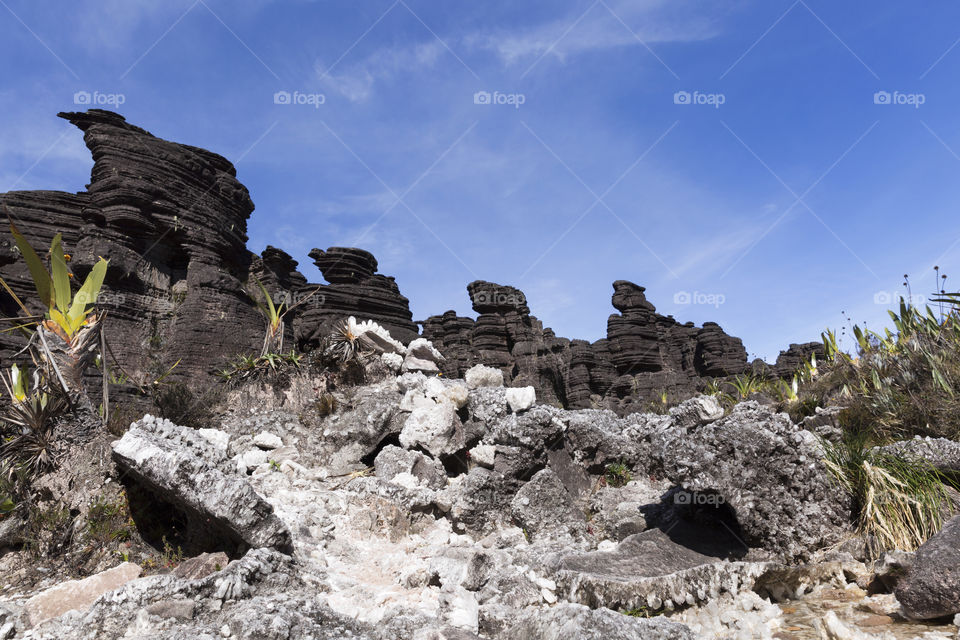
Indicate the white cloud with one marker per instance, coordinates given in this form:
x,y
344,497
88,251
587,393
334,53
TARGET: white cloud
x,y
356,81
624,24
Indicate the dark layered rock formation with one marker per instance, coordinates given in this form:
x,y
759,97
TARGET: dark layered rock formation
x,y
644,352
172,220
355,289
181,286
790,360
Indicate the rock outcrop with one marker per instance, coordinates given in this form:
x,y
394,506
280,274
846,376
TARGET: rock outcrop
x,y
172,219
644,353
931,588
180,467
355,289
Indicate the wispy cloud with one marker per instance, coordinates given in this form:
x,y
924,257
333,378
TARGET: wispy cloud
x,y
598,27
356,81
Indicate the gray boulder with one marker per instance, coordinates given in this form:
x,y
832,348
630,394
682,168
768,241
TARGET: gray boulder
x,y
544,508
696,411
184,469
566,621
261,595
393,460
941,453
769,471
649,571
931,588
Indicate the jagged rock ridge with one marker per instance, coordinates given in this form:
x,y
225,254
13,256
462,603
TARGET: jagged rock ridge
x,y
644,352
172,219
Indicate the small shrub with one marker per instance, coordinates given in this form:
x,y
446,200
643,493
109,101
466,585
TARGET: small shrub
x,y
178,403
109,521
900,502
617,474
122,416
899,384
245,367
47,529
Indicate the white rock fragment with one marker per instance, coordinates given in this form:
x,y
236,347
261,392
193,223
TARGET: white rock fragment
x,y
393,361
459,608
422,356
483,455
483,376
267,440
437,429
456,394
413,399
77,594
216,437
405,479
250,460
521,398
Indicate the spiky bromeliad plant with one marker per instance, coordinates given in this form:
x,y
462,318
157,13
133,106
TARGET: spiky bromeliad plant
x,y
69,331
29,421
273,340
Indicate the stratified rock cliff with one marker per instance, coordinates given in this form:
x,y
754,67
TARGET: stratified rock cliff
x,y
355,289
181,286
172,219
644,352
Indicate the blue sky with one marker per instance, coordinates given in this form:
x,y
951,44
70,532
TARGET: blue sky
x,y
773,162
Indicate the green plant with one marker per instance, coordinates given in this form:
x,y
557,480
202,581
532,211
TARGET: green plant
x,y
171,556
900,502
179,403
642,612
747,384
617,474
344,342
66,313
274,315
109,521
244,367
900,383
47,528
28,445
69,330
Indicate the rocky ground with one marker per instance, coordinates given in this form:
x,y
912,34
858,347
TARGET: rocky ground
x,y
428,508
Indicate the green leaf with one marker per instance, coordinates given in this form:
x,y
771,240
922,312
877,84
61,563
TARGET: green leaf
x,y
60,275
942,382
272,313
62,322
88,293
19,383
41,278
7,505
